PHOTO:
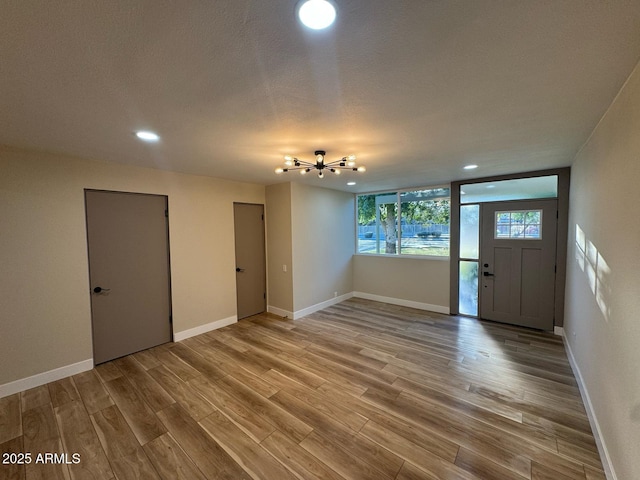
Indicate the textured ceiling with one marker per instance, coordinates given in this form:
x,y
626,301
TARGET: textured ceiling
x,y
415,88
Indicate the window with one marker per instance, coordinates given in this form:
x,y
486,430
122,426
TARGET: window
x,y
414,222
519,225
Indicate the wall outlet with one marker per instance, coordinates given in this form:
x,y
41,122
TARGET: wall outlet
x,y
335,294
284,268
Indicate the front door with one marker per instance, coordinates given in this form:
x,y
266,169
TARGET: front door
x,y
129,272
250,259
517,263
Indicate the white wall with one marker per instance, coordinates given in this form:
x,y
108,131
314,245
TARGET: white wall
x,y
602,307
279,253
417,282
45,318
323,242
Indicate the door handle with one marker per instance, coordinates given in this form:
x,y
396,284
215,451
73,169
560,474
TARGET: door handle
x,y
238,269
487,274
100,289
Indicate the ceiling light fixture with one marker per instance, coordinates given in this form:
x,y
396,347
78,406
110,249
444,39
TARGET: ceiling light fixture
x,y
317,14
470,167
335,167
147,136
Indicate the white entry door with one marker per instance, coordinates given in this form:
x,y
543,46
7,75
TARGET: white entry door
x,y
518,262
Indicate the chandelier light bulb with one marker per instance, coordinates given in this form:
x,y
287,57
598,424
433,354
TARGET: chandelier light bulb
x,y
351,163
320,174
279,170
303,171
351,157
362,169
288,162
336,171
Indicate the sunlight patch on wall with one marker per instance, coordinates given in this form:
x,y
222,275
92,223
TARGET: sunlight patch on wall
x,y
596,270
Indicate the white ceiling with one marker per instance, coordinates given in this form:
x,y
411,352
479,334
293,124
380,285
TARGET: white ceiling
x,y
415,88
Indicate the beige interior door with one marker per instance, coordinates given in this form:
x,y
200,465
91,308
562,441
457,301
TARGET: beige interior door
x,y
517,262
128,244
250,259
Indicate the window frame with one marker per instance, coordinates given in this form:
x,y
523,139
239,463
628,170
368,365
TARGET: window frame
x,y
398,193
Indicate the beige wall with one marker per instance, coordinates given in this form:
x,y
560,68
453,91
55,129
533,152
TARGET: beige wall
x,y
323,226
45,320
419,280
602,316
279,253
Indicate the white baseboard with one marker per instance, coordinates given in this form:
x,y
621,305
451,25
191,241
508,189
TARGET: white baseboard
x,y
45,377
279,311
591,414
559,331
319,306
192,332
404,303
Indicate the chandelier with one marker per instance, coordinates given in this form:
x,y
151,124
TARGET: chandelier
x,y
335,167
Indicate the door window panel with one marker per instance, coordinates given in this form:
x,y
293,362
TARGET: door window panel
x,y
519,225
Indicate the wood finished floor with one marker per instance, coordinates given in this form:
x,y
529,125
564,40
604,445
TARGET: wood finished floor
x,y
360,390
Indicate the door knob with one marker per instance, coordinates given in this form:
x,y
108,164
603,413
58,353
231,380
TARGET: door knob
x,y
100,289
238,269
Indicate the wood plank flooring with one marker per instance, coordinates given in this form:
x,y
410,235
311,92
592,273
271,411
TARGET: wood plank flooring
x,y
360,390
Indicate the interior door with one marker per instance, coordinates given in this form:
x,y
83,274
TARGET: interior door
x,y
517,263
250,259
128,244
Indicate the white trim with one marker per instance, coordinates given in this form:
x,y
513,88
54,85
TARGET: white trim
x,y
45,377
279,311
192,332
591,414
559,331
319,306
404,303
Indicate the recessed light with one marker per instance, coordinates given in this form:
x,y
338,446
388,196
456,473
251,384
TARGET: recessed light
x,y
317,14
351,183
147,136
470,167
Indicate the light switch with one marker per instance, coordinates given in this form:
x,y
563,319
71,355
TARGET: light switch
x,y
284,268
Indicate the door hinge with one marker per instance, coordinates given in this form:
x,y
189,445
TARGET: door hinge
x,y
166,213
171,319
557,214
555,269
265,295
262,216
